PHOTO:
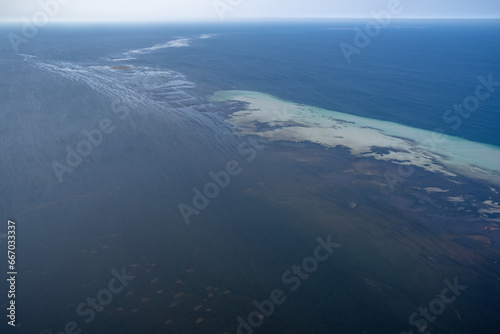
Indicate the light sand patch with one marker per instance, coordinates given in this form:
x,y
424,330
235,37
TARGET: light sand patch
x,y
493,207
435,190
179,295
456,199
275,119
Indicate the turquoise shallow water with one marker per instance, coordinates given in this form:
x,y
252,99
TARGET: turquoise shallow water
x,y
361,135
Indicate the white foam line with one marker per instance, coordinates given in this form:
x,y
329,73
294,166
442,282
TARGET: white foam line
x,y
123,59
26,57
176,43
119,85
204,36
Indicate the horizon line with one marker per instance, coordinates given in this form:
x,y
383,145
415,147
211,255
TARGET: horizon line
x,y
247,19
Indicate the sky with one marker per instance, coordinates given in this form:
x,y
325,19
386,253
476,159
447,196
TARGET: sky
x,y
230,10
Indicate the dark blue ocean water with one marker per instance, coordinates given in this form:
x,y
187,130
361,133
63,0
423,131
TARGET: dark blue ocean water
x,y
411,73
119,207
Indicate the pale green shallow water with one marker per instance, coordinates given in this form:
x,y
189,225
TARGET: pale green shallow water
x,y
406,145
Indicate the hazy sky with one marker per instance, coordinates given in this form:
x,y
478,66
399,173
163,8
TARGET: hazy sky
x,y
168,10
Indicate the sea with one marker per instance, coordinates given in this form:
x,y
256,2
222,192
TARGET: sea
x,y
140,207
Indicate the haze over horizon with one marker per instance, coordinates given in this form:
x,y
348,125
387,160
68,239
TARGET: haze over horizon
x,y
215,10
